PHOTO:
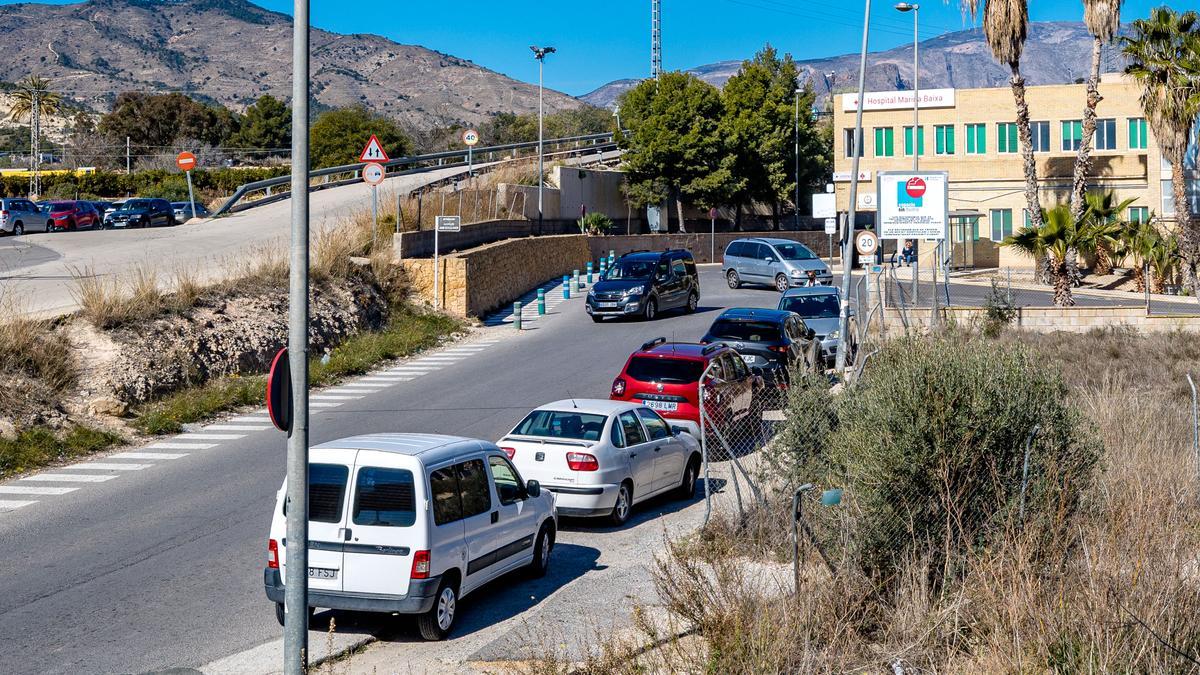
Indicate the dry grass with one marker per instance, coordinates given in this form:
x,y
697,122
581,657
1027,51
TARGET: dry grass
x,y
29,349
472,204
1122,593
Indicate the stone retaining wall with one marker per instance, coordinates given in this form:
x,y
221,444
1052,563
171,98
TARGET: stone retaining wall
x,y
1052,319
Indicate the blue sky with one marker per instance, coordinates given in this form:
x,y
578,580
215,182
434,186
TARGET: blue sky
x,y
603,41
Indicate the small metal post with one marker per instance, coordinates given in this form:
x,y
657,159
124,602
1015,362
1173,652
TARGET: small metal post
x,y
374,217
566,287
1146,284
517,315
191,193
541,302
399,211
797,516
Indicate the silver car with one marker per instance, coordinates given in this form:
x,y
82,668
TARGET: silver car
x,y
18,216
820,307
781,263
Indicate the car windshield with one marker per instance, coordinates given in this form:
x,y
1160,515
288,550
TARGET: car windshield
x,y
61,206
562,424
794,252
749,331
650,369
136,204
823,306
630,269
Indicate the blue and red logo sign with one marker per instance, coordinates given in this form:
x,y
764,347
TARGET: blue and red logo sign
x,y
911,193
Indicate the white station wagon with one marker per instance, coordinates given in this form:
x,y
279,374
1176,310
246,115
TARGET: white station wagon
x,y
411,523
601,457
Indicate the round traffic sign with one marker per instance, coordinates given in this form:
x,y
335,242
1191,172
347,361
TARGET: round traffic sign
x,y
186,161
372,174
470,137
866,241
915,187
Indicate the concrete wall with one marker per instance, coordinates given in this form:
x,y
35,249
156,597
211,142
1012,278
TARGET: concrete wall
x,y
550,200
597,191
420,244
477,281
1052,319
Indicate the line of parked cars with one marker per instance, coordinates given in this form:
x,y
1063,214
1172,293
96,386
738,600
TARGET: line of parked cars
x,y
19,215
412,523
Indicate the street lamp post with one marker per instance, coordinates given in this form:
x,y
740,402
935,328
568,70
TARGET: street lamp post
x,y
540,53
915,9
797,200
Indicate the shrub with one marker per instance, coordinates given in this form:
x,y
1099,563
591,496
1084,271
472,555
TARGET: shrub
x,y
999,310
595,223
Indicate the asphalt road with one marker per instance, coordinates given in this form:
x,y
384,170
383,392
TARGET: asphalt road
x,y
162,567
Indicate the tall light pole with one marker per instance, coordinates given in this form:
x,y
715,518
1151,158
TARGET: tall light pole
x,y
540,53
295,583
915,9
797,200
847,232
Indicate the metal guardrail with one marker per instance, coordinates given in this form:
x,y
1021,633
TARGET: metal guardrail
x,y
594,142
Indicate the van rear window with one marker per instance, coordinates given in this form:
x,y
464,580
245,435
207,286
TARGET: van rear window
x,y
384,498
680,371
326,492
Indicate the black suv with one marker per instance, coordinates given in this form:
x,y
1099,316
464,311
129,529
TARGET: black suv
x,y
770,341
645,283
141,213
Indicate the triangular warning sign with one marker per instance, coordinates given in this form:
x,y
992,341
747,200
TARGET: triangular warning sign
x,y
373,152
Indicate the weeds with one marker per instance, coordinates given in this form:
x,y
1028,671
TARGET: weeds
x,y
36,448
29,349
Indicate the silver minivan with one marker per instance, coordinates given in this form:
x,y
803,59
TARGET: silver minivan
x,y
410,524
781,263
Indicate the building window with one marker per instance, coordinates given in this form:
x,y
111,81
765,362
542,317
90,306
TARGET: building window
x,y
1139,214
1137,133
849,136
1006,137
1028,218
1001,224
1041,136
944,137
1168,196
1072,135
976,139
885,142
1106,134
908,141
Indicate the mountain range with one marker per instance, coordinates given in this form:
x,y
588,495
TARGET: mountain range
x,y
1056,52
232,51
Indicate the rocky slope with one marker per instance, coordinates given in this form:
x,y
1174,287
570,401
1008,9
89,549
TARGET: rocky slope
x,y
232,51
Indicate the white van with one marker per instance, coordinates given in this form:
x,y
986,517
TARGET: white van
x,y
411,523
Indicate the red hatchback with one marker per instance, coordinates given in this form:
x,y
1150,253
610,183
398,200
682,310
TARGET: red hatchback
x,y
666,377
73,215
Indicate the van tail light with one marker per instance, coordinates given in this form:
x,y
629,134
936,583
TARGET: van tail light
x,y
618,388
510,452
581,461
272,555
778,348
421,565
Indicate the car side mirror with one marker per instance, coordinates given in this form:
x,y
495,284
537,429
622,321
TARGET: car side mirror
x,y
810,334
769,259
533,488
677,430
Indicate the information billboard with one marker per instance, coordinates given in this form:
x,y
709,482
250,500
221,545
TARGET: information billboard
x,y
913,205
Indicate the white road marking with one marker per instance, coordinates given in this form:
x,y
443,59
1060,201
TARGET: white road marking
x,y
68,478
372,386
330,397
385,378
251,418
29,490
237,427
209,437
107,466
462,351
171,445
9,505
149,455
350,390
319,404
436,360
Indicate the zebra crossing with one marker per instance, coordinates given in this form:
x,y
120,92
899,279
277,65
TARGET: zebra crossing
x,y
64,480
529,313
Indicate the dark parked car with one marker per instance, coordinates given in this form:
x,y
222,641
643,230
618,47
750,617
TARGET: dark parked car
x,y
645,283
820,307
770,341
141,213
104,207
73,215
183,211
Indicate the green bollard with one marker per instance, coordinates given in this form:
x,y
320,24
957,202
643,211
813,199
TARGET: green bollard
x,y
589,273
566,287
517,314
541,302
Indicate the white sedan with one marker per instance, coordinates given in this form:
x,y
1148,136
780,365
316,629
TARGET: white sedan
x,y
601,457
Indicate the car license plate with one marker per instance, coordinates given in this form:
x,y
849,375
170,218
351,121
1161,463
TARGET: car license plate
x,y
665,406
608,305
321,573
750,359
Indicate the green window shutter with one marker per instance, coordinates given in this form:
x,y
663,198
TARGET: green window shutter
x,y
921,140
908,140
971,140
879,142
949,140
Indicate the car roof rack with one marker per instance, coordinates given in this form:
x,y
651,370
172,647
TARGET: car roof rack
x,y
653,343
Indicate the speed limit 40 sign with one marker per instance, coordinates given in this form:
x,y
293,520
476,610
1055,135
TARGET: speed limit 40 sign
x,y
470,137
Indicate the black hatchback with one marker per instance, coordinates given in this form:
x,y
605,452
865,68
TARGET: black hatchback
x,y
770,341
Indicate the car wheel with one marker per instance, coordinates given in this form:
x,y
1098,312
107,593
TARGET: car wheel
x,y
732,278
280,614
781,283
693,302
541,552
18,229
435,624
651,309
624,505
687,489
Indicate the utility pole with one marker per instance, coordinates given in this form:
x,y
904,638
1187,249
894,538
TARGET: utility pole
x,y
127,163
655,38
796,202
914,8
540,53
295,629
847,232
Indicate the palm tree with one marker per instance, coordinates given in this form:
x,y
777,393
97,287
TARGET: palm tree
x,y
1058,234
1103,20
1006,25
1104,227
1164,263
1137,241
1164,51
33,100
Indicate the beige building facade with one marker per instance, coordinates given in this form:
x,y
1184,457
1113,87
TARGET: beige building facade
x,y
971,134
